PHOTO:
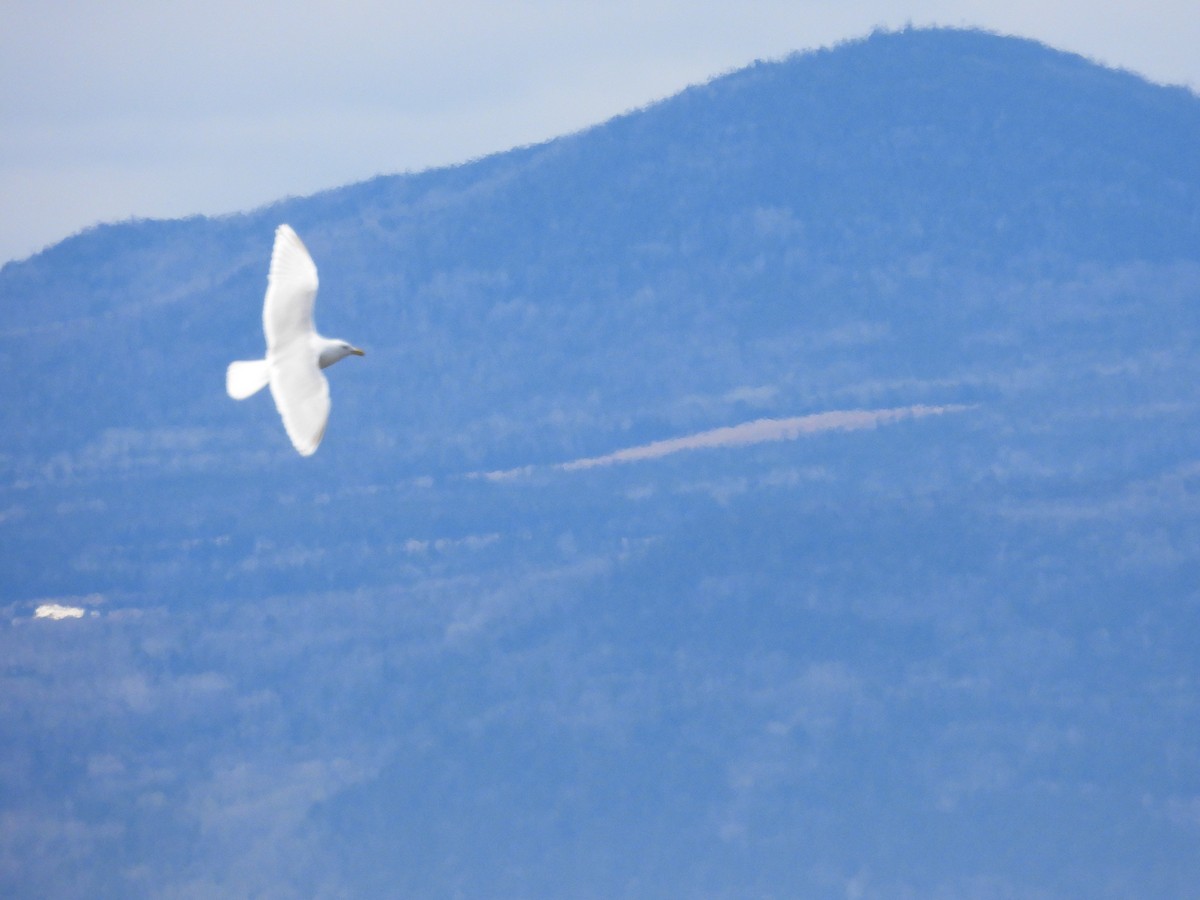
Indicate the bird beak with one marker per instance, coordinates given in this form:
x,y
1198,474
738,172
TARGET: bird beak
x,y
357,352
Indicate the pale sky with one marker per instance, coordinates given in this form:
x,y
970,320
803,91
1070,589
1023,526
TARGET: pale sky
x,y
119,109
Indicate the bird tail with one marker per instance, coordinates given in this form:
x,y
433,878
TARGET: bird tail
x,y
246,377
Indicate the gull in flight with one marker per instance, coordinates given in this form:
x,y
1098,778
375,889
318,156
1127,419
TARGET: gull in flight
x,y
296,354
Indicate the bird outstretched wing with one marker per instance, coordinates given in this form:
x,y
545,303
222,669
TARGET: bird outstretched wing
x,y
300,390
301,395
291,292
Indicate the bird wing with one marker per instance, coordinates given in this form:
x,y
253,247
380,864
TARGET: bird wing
x,y
291,293
301,395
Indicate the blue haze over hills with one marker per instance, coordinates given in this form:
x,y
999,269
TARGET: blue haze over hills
x,y
951,655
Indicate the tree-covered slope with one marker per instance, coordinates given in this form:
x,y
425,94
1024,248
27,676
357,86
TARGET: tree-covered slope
x,y
900,186
935,638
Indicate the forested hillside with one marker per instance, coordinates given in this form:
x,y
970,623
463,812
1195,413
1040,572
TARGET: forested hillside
x,y
926,629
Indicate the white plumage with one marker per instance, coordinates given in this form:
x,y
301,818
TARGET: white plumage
x,y
296,354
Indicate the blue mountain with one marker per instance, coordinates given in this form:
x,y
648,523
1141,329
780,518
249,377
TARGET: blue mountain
x,y
791,488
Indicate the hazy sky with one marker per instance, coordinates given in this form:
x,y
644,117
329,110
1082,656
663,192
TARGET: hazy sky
x,y
118,109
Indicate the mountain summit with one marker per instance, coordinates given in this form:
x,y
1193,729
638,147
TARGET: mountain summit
x,y
891,183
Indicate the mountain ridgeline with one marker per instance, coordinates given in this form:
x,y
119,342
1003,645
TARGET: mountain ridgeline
x,y
905,182
951,654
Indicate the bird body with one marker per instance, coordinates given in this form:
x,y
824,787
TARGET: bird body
x,y
296,354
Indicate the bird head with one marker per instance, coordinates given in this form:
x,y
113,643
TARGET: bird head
x,y
333,350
